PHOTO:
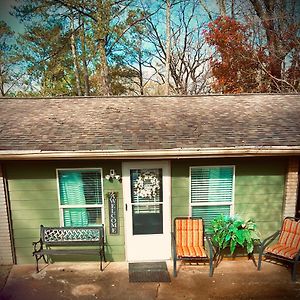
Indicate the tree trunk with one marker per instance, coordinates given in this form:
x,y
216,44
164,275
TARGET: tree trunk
x,y
84,63
275,71
232,9
266,11
75,59
141,83
205,7
168,46
222,7
104,82
103,19
2,94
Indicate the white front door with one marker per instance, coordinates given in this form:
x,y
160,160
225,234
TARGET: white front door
x,y
147,210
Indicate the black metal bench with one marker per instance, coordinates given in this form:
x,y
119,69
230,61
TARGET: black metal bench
x,y
60,237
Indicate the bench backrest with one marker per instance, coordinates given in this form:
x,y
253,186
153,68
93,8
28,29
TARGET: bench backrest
x,y
290,233
59,236
189,231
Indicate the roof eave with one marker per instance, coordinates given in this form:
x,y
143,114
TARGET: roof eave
x,y
152,154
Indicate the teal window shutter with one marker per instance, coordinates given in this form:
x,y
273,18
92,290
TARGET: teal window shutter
x,y
71,188
211,191
80,197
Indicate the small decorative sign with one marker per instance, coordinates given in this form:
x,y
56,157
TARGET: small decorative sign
x,y
113,213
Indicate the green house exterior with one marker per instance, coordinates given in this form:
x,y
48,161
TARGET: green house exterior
x,y
33,191
115,136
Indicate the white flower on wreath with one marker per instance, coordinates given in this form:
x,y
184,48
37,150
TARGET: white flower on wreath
x,y
147,185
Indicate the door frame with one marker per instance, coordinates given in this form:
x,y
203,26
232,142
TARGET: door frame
x,y
165,165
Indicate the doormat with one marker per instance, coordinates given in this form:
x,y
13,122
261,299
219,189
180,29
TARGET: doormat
x,y
149,272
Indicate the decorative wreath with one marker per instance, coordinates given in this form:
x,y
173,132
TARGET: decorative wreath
x,y
147,185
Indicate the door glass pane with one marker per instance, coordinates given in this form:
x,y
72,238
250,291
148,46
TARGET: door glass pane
x,y
146,187
147,219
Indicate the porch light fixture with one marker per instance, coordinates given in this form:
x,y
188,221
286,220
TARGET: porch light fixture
x,y
112,175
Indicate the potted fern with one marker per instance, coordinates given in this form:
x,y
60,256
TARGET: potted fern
x,y
234,232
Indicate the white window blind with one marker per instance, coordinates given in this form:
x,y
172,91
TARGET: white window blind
x,y
211,191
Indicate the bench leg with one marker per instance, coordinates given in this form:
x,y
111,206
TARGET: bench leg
x,y
102,258
37,263
37,258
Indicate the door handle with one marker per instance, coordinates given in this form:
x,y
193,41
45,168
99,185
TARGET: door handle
x,y
126,206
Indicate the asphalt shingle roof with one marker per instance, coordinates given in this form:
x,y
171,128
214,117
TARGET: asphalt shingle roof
x,y
149,123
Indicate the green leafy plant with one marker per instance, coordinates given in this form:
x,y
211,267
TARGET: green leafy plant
x,y
233,231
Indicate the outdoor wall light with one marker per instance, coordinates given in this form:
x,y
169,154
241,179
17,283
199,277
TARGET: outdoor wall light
x,y
112,175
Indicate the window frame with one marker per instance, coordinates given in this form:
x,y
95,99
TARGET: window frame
x,y
61,206
231,203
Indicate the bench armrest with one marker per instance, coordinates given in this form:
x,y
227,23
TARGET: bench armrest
x,y
37,246
102,242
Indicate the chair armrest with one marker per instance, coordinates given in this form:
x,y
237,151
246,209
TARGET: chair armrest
x,y
173,240
173,237
212,250
297,257
268,240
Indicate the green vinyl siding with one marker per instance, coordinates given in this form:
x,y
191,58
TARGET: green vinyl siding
x,y
259,193
258,189
33,190
33,194
180,188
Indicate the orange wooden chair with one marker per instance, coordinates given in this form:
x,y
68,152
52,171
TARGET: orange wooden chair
x,y
188,242
287,248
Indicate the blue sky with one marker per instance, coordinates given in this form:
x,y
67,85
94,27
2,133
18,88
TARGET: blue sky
x,y
5,8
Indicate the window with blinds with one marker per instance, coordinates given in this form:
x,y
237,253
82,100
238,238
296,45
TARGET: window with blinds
x,y
80,197
211,191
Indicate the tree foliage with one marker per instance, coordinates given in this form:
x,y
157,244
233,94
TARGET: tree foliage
x,y
91,34
280,20
247,60
9,70
140,47
236,68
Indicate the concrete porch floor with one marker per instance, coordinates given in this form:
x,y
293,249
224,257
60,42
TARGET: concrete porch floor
x,y
236,279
